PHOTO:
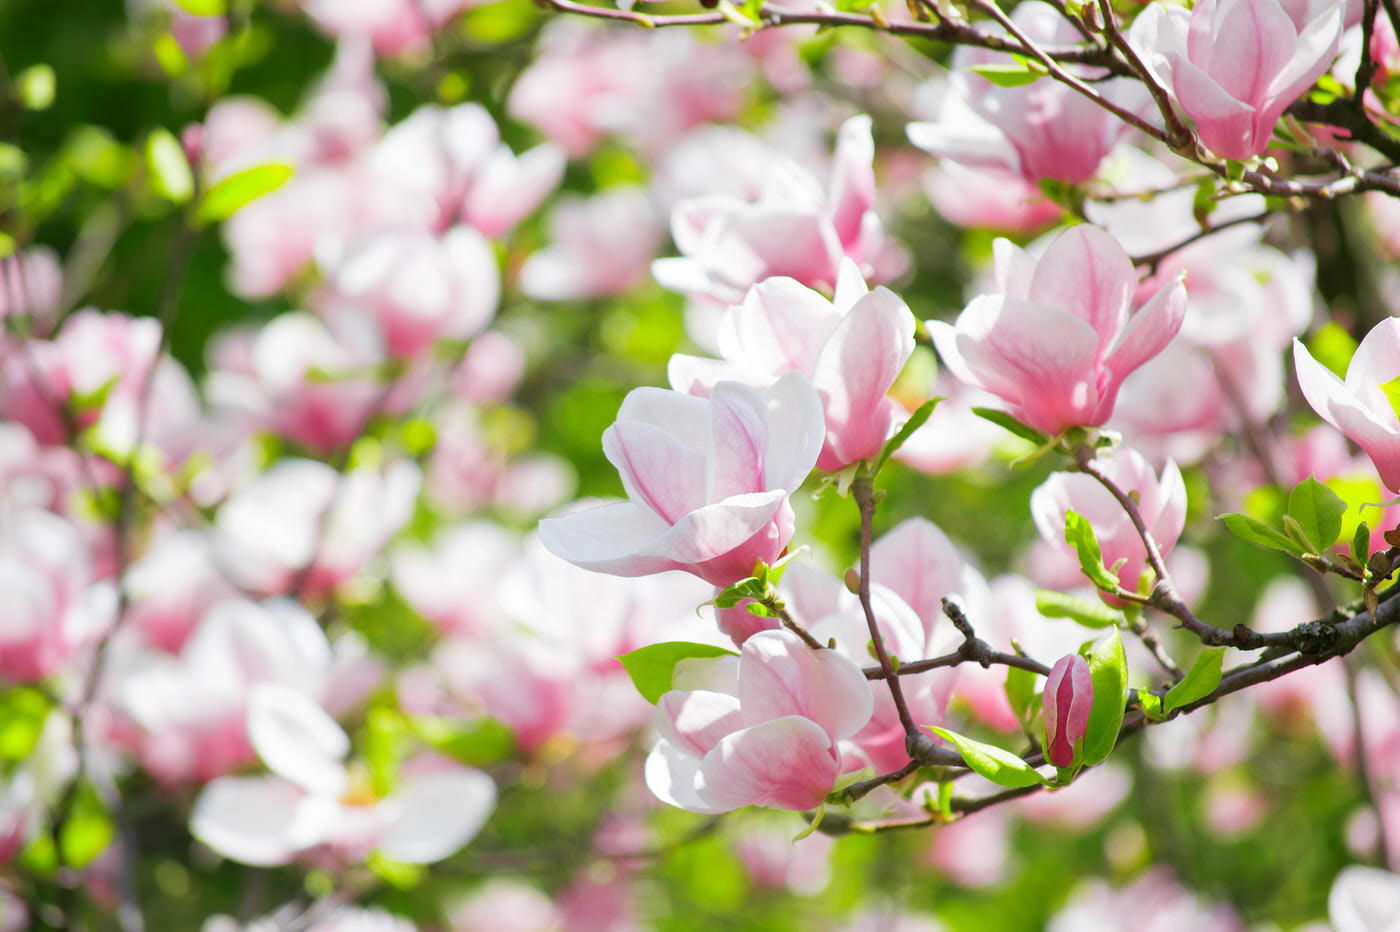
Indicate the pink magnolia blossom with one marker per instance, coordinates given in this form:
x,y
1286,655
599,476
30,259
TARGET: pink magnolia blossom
x,y
794,227
183,716
394,26
1154,902
1358,406
1040,130
171,586
1068,698
757,730
599,246
1364,899
1161,502
449,166
1058,338
586,84
299,378
53,606
418,288
301,523
851,348
708,482
312,806
31,283
1235,65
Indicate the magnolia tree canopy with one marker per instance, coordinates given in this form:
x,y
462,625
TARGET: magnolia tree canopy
x,y
558,466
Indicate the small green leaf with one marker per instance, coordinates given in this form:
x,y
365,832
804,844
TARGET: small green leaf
x,y
1006,421
168,167
996,764
1151,705
1318,511
1020,692
477,743
1108,669
1089,613
228,196
397,874
1361,544
916,420
35,86
1297,534
1200,681
204,7
651,667
1008,75
22,715
1079,534
1257,532
87,831
1333,346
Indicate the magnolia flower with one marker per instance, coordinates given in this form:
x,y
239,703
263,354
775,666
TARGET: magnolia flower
x,y
1161,503
757,730
1364,899
1041,130
312,801
1360,406
708,481
851,348
1058,338
1068,698
793,227
1235,65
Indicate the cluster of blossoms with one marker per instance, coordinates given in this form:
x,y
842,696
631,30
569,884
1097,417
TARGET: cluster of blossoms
x,y
323,594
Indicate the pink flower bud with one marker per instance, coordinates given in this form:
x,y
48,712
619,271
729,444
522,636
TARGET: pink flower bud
x,y
1069,695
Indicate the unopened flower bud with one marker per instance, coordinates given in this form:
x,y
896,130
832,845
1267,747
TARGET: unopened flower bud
x,y
1069,695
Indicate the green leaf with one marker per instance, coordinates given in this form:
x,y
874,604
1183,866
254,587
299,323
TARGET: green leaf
x,y
87,831
1089,613
35,86
1318,511
916,420
1361,544
204,7
477,743
996,764
1333,346
1257,532
1008,75
651,667
22,715
397,874
1079,534
1108,669
1200,681
228,196
1006,421
1020,692
168,167
1151,705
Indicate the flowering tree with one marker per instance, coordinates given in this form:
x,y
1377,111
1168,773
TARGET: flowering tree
x,y
569,466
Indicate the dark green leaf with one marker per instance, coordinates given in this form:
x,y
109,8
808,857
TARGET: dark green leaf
x,y
651,667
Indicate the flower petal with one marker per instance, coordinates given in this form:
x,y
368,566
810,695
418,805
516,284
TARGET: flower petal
x,y
787,763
